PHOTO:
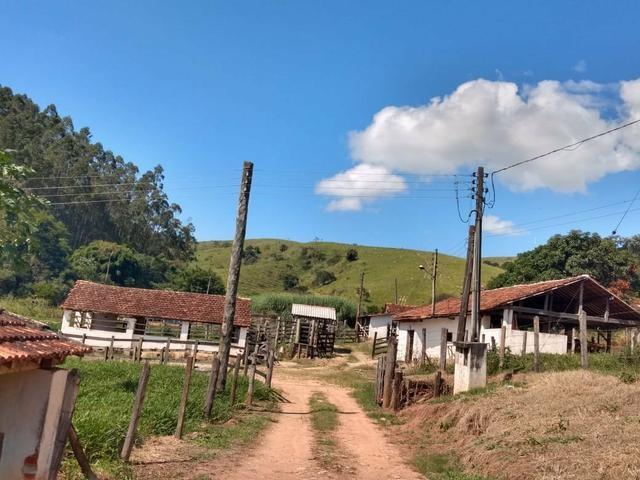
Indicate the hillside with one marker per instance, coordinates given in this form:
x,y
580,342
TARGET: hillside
x,y
382,266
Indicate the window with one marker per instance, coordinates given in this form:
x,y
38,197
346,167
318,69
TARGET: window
x,y
108,323
449,336
80,320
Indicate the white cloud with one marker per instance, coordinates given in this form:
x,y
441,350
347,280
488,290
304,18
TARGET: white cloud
x,y
496,123
496,226
360,185
581,66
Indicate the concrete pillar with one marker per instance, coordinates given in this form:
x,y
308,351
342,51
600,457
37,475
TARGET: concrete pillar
x,y
184,331
470,367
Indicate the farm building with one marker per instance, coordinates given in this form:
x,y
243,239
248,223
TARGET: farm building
x,y
555,302
101,314
313,330
36,400
380,324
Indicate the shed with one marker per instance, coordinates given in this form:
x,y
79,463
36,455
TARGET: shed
x,y
101,314
36,399
313,330
555,302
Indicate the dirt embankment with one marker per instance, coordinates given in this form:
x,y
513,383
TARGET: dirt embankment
x,y
569,425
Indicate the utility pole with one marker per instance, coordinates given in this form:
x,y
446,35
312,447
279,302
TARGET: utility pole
x,y
466,288
358,311
477,256
234,273
434,275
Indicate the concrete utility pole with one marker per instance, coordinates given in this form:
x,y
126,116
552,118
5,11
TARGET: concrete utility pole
x,y
466,288
234,273
477,256
434,275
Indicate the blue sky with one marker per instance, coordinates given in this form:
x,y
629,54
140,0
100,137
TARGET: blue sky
x,y
201,86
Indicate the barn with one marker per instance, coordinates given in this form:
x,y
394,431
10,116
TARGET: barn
x,y
313,330
106,315
555,302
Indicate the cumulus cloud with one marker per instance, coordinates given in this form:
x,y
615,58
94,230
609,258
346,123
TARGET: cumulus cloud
x,y
496,226
497,123
359,185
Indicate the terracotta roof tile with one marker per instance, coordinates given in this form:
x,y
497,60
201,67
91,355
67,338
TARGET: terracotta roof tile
x,y
394,308
490,299
141,302
21,341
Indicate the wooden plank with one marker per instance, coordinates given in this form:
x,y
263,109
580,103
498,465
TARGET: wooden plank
x,y
423,348
524,342
270,364
81,458
396,391
234,380
373,348
536,343
135,412
574,316
250,387
503,338
389,372
185,397
443,349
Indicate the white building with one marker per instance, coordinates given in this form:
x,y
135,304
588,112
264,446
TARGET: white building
x,y
100,314
380,324
555,302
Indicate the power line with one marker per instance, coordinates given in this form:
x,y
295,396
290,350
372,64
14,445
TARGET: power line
x,y
615,230
566,147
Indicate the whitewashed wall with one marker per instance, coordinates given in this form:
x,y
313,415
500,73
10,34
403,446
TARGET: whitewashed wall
x,y
433,328
379,323
128,339
549,342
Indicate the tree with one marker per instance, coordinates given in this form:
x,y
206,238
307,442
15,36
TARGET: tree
x,y
605,259
324,277
251,254
290,281
197,280
352,255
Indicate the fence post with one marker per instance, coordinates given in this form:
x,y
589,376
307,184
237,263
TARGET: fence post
x,y
185,397
252,378
139,349
443,349
503,339
111,347
84,338
397,391
437,384
195,352
245,359
211,389
389,371
106,353
270,363
423,349
536,343
234,380
135,413
524,342
373,348
168,351
584,358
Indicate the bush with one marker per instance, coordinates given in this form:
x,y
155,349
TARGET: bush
x,y
323,277
310,256
53,291
352,255
251,255
290,281
284,247
280,304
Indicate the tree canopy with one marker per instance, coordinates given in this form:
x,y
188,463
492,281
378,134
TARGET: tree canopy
x,y
608,260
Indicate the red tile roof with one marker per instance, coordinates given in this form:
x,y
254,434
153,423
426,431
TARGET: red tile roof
x,y
490,299
394,308
23,342
140,302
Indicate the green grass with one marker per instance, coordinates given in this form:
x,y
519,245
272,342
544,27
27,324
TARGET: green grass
x,y
381,266
105,398
324,421
442,467
35,308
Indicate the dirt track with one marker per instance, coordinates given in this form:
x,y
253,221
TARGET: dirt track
x,y
285,450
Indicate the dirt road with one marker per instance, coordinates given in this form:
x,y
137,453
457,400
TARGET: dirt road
x,y
286,450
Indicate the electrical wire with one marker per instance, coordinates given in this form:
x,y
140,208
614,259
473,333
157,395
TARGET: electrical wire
x,y
615,230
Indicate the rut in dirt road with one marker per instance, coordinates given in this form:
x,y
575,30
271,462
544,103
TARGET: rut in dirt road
x,y
286,449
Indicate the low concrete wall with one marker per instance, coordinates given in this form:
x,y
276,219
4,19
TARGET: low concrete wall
x,y
549,342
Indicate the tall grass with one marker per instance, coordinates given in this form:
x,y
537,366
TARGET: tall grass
x,y
35,308
106,394
280,304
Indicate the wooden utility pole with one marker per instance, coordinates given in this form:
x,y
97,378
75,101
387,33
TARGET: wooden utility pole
x,y
477,256
466,288
434,275
233,278
358,311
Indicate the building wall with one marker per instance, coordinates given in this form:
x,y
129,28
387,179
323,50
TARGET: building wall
x,y
128,339
433,328
549,342
379,324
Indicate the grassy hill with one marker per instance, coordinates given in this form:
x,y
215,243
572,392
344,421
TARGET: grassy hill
x,y
381,266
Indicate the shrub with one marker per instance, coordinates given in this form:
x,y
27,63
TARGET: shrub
x,y
251,255
352,255
290,281
53,291
323,277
